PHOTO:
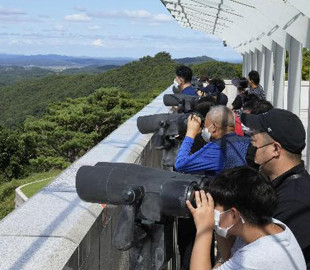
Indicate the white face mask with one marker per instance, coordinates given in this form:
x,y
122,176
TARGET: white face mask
x,y
205,134
175,83
218,229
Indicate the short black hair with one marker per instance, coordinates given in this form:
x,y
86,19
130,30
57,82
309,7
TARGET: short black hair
x,y
248,191
261,106
184,72
249,101
254,76
243,83
219,83
204,105
204,78
257,106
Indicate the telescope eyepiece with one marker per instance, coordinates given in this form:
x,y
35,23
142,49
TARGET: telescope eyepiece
x,y
132,195
164,124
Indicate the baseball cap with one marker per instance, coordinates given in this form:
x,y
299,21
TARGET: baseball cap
x,y
283,126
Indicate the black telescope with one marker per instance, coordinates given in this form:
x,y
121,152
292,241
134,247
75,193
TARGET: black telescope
x,y
185,103
150,200
159,193
166,124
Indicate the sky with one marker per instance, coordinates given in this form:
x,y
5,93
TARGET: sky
x,y
101,28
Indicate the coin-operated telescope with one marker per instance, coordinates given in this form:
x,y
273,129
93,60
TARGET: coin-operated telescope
x,y
150,200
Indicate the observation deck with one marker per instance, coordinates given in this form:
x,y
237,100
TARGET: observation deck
x,y
56,230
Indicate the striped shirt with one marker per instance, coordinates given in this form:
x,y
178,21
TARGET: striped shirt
x,y
258,91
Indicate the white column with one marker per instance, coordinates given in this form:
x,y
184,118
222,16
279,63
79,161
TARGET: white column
x,y
308,131
268,75
251,59
261,66
254,61
279,76
249,63
244,64
294,76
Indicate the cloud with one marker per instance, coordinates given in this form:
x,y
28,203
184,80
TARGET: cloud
x,y
162,18
94,27
133,15
98,43
79,8
81,17
59,28
138,14
9,12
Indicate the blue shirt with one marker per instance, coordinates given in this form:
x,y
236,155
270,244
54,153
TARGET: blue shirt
x,y
216,156
189,91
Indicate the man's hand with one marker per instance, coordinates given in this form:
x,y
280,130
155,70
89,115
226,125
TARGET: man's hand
x,y
204,213
193,126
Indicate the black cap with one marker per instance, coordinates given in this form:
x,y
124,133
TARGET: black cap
x,y
282,125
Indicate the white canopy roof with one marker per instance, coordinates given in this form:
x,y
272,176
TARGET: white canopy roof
x,y
246,25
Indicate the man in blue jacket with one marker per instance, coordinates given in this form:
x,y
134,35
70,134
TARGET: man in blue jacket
x,y
225,149
184,77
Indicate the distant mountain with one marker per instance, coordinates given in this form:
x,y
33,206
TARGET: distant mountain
x,y
88,70
57,61
13,74
194,60
32,96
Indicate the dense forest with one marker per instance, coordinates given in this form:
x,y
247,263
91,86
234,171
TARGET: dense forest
x,y
31,97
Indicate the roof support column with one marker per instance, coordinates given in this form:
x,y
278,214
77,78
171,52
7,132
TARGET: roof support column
x,y
279,76
250,61
244,57
268,74
294,76
254,61
308,131
261,66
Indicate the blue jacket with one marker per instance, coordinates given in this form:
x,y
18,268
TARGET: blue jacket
x,y
189,91
216,156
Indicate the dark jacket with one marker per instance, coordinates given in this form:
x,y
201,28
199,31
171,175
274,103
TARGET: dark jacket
x,y
293,190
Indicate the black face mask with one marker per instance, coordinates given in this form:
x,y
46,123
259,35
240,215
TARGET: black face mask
x,y
250,156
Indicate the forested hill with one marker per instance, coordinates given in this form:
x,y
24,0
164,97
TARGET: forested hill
x,y
12,74
147,77
31,97
194,60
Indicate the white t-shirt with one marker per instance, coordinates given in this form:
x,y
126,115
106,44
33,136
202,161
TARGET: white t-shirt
x,y
273,252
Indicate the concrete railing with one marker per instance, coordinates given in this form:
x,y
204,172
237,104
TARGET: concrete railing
x,y
56,230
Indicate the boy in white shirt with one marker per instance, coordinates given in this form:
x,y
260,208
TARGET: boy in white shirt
x,y
241,208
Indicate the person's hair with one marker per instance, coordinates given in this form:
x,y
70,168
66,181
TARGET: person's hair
x,y
261,106
267,138
248,191
219,83
204,78
243,83
254,77
184,72
249,101
292,156
204,105
222,116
